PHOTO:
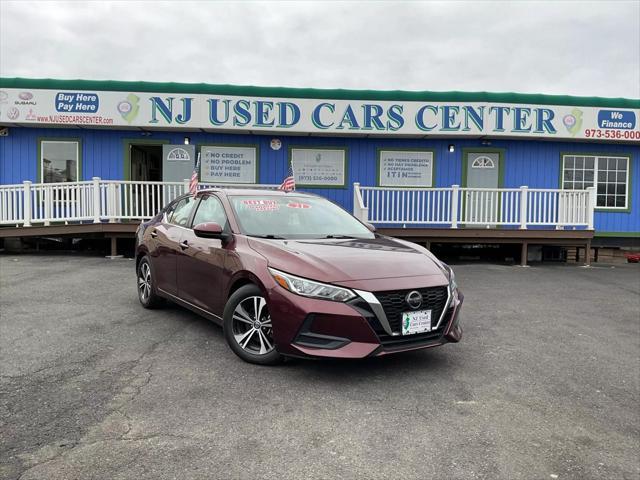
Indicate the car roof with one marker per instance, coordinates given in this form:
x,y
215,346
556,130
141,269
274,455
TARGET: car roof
x,y
254,192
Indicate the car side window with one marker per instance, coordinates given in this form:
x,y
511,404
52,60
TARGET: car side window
x,y
168,211
210,210
181,212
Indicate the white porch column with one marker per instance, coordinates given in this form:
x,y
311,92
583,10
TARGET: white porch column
x,y
455,200
26,192
48,204
523,207
591,207
356,204
360,211
95,190
111,202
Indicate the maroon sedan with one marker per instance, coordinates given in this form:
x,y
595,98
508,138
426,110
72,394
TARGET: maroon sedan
x,y
292,274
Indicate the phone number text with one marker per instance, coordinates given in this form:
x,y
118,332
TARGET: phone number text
x,y
626,134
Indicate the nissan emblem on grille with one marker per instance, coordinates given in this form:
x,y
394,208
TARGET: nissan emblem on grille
x,y
414,299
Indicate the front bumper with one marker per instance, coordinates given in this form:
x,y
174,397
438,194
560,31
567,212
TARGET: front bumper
x,y
307,327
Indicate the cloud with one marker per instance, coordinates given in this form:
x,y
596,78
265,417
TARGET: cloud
x,y
586,48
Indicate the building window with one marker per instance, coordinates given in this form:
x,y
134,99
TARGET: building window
x,y
59,161
483,162
608,173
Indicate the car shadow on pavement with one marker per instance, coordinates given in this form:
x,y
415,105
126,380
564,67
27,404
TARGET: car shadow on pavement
x,y
430,360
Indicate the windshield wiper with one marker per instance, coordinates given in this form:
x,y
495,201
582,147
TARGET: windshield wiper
x,y
270,237
340,236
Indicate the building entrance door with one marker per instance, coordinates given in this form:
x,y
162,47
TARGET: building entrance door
x,y
482,172
146,166
146,163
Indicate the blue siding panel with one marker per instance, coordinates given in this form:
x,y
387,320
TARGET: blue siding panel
x,y
527,162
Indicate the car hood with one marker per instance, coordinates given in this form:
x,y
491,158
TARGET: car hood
x,y
336,260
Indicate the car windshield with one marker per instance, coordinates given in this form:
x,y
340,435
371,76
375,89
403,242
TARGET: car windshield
x,y
291,216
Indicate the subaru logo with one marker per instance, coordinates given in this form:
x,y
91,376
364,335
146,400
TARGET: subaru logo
x,y
414,299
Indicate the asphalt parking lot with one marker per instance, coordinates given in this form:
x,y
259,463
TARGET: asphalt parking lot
x,y
544,384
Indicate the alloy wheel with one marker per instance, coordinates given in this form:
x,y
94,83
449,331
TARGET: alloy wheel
x,y
252,328
144,282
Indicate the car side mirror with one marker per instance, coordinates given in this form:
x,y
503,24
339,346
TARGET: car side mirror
x,y
210,230
370,226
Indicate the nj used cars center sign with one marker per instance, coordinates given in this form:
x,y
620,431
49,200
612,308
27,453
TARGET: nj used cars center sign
x,y
295,115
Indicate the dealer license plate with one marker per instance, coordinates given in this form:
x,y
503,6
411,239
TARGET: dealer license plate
x,y
416,322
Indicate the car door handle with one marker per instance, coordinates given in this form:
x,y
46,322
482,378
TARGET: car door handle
x,y
184,245
154,234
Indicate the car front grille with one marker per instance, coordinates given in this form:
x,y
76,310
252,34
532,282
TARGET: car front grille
x,y
394,304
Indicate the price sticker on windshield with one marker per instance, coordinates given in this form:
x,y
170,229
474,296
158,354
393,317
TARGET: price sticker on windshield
x,y
298,205
262,205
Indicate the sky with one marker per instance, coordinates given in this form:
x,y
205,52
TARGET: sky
x,y
555,47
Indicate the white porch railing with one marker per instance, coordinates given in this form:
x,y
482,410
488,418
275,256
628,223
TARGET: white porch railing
x,y
115,200
96,200
454,206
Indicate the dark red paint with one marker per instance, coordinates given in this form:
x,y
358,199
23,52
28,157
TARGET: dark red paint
x,y
200,273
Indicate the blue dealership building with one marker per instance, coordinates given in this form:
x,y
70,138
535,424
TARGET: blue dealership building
x,y
66,131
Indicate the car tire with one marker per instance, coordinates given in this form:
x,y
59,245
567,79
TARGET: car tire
x,y
250,336
146,285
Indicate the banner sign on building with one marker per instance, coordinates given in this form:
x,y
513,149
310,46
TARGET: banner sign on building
x,y
399,168
177,162
307,115
225,164
319,166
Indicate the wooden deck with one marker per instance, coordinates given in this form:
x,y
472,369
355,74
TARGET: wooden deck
x,y
565,238
425,236
111,231
72,229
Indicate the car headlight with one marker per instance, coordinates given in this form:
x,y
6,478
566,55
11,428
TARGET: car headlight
x,y
309,288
